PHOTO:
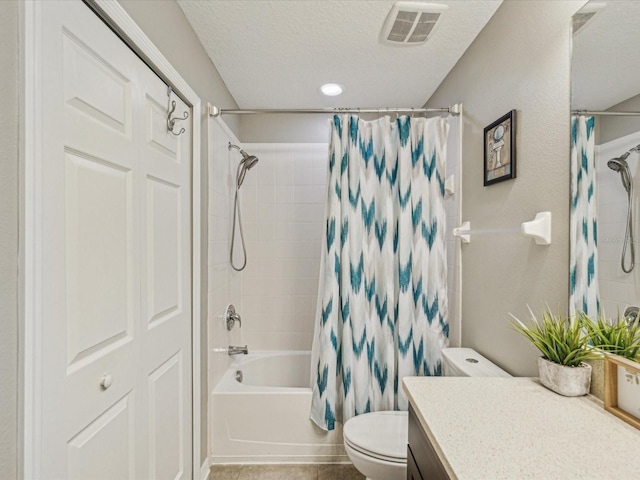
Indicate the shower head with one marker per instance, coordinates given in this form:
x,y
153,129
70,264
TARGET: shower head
x,y
247,163
243,167
620,165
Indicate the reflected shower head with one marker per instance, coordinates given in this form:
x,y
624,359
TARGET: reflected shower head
x,y
620,165
247,163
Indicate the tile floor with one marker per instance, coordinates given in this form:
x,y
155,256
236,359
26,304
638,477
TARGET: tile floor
x,y
284,472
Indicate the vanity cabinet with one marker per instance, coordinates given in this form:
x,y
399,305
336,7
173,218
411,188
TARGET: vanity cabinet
x,y
467,428
422,461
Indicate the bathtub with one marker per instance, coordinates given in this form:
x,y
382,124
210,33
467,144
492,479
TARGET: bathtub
x,y
265,418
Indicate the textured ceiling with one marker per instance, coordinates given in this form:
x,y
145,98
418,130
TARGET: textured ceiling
x,y
276,54
606,57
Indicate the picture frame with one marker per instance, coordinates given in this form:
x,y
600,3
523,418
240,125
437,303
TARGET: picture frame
x,y
500,149
622,388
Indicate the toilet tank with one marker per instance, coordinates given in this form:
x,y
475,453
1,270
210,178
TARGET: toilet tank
x,y
466,362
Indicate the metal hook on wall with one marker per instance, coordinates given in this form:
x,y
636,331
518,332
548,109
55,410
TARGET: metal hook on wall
x,y
171,122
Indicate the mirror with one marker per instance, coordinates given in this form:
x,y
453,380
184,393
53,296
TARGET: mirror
x,y
605,158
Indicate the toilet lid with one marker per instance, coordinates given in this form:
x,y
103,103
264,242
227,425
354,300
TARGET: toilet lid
x,y
379,434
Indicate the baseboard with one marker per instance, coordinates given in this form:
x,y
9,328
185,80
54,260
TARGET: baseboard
x,y
278,459
205,468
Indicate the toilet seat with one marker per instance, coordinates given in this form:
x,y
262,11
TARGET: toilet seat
x,y
379,435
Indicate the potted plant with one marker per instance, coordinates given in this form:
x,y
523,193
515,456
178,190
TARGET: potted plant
x,y
619,340
617,337
564,348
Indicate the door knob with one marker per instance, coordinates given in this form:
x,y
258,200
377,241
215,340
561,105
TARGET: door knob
x,y
106,381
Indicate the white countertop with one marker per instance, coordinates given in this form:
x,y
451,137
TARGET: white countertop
x,y
514,428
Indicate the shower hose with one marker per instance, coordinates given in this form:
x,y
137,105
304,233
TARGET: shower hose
x,y
628,236
236,211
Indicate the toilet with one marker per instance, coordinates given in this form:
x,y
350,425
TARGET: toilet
x,y
376,442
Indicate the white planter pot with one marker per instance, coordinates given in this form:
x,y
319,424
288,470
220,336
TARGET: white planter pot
x,y
567,381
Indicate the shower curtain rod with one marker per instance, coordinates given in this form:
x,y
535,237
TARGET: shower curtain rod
x,y
594,112
453,110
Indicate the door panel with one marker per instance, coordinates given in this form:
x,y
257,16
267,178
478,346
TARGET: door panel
x,y
87,456
164,275
166,420
116,249
99,286
83,70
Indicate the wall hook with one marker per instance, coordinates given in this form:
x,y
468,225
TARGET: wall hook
x,y
171,122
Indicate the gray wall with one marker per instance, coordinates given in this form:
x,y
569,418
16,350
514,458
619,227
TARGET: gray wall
x,y
287,128
521,60
610,128
8,238
167,27
283,128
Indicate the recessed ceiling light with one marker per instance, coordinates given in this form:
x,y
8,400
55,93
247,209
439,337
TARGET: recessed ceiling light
x,y
331,89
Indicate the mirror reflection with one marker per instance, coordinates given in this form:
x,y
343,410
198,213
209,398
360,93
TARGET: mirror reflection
x,y
605,159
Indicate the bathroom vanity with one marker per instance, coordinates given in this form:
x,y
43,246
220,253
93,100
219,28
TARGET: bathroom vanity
x,y
512,428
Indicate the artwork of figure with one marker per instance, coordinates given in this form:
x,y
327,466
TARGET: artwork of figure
x,y
499,142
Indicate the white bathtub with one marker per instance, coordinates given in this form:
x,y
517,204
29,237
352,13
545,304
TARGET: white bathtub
x,y
265,419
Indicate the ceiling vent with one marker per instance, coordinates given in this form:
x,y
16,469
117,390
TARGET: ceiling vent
x,y
586,14
411,23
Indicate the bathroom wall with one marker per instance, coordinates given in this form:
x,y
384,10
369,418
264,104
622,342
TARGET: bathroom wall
x,y
452,205
9,204
224,284
610,128
520,60
289,128
167,27
617,289
283,200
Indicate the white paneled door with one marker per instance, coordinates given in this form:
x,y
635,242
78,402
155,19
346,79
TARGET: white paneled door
x,y
115,253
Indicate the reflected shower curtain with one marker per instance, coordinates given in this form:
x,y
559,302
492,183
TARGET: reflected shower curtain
x,y
584,225
382,299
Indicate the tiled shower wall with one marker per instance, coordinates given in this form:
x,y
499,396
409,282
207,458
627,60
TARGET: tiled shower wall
x,y
283,201
224,283
617,289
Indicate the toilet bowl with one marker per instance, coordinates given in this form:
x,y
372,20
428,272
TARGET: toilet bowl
x,y
376,442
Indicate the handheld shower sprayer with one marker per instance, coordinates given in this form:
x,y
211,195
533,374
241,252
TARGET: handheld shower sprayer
x,y
620,165
246,164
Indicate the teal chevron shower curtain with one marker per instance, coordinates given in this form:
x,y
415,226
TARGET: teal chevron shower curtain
x,y
584,226
382,299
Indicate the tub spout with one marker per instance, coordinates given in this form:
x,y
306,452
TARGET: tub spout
x,y
238,350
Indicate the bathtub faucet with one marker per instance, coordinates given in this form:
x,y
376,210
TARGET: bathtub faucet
x,y
238,350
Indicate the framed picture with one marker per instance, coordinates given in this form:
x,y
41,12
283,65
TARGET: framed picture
x,y
622,388
500,149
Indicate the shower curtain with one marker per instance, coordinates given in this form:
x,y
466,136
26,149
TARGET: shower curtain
x,y
382,299
584,225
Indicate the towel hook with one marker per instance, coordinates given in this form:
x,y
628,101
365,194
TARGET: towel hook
x,y
171,122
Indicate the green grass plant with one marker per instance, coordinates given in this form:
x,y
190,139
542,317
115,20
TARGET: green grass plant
x,y
615,336
559,338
